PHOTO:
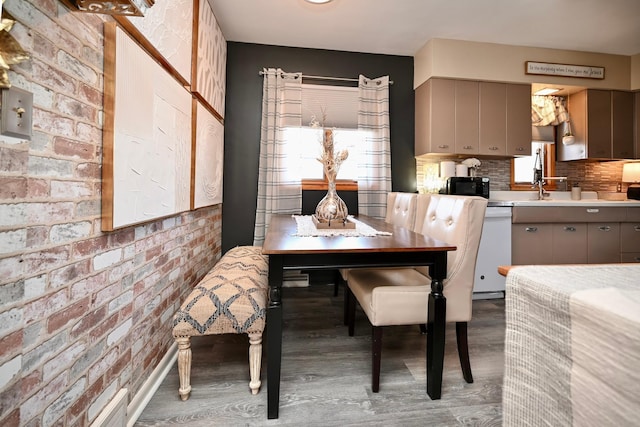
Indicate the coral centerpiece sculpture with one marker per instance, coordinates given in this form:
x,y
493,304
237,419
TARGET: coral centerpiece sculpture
x,y
331,208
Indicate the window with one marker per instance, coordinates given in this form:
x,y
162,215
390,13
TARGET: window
x,y
338,107
305,144
522,167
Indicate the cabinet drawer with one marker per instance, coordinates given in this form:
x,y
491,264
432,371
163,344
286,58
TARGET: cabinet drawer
x,y
572,214
630,237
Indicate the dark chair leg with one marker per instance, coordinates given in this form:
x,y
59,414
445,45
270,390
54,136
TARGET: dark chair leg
x,y
463,350
345,303
423,329
377,355
336,283
351,310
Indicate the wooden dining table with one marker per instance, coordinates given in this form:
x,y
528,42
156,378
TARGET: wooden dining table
x,y
393,247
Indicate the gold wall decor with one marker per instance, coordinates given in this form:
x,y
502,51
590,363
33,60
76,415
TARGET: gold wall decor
x,y
111,7
11,52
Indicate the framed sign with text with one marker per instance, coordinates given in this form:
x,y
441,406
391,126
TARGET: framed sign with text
x,y
564,70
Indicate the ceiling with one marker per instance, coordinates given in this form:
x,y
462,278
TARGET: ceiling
x,y
402,27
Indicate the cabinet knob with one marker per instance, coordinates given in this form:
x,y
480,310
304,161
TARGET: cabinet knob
x,y
493,148
604,228
531,229
569,229
467,147
636,228
520,149
593,210
443,146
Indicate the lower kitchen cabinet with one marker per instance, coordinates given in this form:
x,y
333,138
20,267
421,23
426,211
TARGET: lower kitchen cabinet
x,y
531,243
630,242
569,244
603,243
602,235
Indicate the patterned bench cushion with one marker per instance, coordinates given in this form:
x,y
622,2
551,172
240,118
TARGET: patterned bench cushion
x,y
231,298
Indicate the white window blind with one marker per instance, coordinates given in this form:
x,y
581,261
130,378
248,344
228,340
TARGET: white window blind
x,y
340,104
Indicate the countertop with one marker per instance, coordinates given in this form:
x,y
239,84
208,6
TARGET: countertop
x,y
556,198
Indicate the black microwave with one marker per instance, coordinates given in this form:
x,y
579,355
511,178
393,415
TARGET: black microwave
x,y
468,186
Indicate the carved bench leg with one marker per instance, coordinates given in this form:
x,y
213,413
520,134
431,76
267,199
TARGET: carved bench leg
x,y
255,361
184,366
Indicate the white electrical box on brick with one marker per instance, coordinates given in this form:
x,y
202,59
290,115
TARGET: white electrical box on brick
x,y
16,113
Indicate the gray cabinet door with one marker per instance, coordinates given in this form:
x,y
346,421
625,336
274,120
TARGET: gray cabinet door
x,y
466,117
531,243
622,124
518,120
435,115
603,242
493,119
570,243
598,124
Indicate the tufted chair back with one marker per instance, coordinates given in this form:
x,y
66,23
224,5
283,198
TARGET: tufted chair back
x,y
401,209
457,220
399,296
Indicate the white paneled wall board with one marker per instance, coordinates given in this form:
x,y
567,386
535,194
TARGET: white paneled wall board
x,y
147,136
167,26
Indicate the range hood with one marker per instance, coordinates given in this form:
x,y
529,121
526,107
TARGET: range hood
x,y
544,134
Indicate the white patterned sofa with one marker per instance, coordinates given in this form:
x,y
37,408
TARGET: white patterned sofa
x,y
230,299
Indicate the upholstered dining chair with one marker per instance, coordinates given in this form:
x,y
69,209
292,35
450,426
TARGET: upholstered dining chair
x,y
401,211
399,296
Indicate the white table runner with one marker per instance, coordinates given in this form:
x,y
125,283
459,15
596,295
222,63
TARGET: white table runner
x,y
307,228
572,345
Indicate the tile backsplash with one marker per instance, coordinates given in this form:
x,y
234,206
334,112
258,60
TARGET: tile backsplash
x,y
591,176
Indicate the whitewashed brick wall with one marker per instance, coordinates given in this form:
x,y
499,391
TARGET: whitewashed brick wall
x,y
82,313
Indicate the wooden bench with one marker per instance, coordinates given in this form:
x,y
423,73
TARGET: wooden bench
x,y
230,299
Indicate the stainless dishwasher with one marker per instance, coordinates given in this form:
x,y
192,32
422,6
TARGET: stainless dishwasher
x,y
494,250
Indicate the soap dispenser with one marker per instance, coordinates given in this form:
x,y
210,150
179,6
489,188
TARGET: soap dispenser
x,y
576,191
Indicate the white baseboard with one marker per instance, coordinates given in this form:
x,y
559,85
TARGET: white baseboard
x,y
144,395
115,413
488,295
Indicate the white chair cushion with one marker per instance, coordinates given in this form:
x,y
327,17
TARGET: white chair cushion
x,y
401,211
399,296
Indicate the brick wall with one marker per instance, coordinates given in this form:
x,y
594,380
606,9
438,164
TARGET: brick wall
x,y
82,313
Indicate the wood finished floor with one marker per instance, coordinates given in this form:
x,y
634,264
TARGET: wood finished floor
x,y
326,375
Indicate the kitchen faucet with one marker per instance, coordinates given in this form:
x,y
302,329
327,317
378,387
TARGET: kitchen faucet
x,y
538,175
539,179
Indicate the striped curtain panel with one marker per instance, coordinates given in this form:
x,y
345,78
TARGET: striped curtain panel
x,y
374,174
278,192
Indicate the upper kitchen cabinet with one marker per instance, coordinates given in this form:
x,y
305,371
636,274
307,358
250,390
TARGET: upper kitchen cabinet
x,y
637,124
505,119
473,118
622,124
467,117
493,119
435,117
602,122
518,120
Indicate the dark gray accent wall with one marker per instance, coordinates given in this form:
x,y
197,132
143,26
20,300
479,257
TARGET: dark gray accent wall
x,y
243,109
